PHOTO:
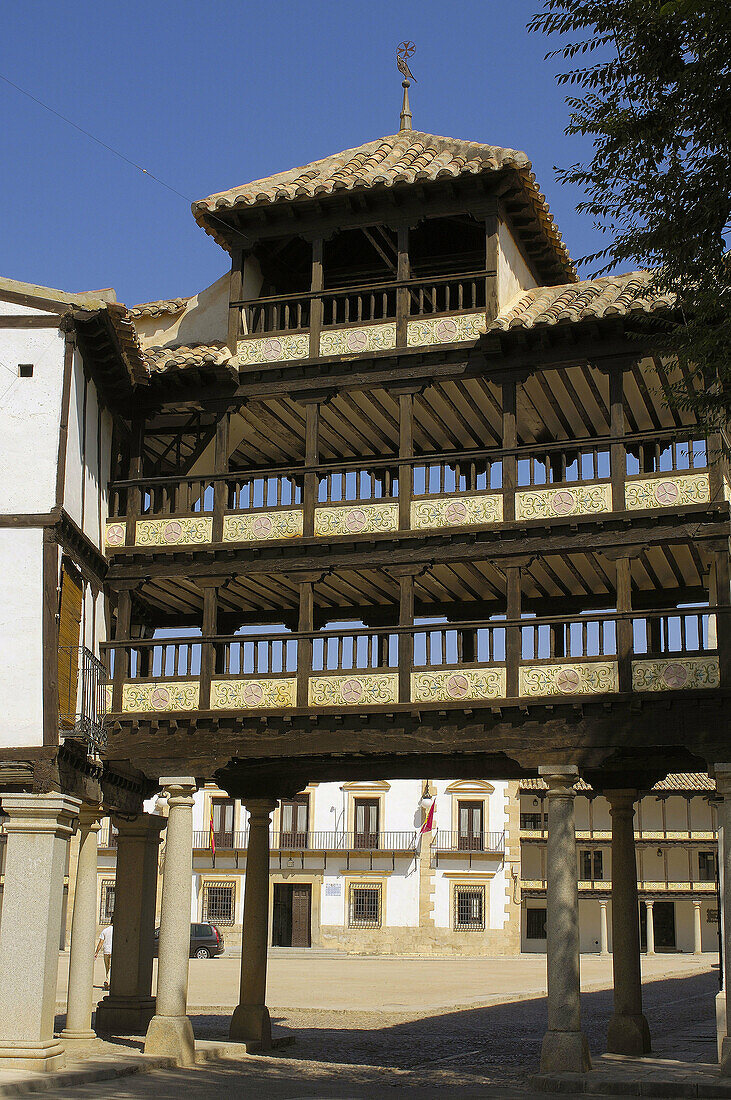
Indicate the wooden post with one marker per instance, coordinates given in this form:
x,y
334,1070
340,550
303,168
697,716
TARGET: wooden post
x,y
220,466
134,495
717,466
513,647
209,629
406,450
406,641
121,656
403,272
492,304
624,626
312,457
234,295
510,441
304,645
617,455
316,285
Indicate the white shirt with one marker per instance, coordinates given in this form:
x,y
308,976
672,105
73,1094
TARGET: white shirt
x,y
106,938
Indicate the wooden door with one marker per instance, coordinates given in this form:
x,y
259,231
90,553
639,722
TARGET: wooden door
x,y
301,906
294,821
470,838
366,823
282,915
69,629
222,810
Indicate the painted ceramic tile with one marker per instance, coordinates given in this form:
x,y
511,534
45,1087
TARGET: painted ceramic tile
x,y
273,349
356,519
115,533
667,492
455,511
446,330
676,674
253,694
585,678
356,689
357,341
185,531
160,696
563,501
261,526
457,684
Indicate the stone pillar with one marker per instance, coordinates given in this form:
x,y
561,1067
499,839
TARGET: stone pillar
x,y
722,775
650,907
697,932
83,930
38,828
564,1045
628,1030
129,1005
250,1021
170,1032
603,937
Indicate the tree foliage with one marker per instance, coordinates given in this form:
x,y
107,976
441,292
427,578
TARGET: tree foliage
x,y
649,81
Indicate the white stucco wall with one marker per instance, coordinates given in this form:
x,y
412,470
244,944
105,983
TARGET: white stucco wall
x,y
21,636
88,456
205,317
514,274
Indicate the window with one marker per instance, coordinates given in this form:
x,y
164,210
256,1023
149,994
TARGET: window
x,y
712,916
365,905
366,823
534,821
222,811
469,908
106,907
591,865
294,815
25,370
470,820
707,866
219,902
535,926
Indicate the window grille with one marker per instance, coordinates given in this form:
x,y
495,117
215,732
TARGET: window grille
x,y
106,906
535,924
469,908
707,866
365,905
219,902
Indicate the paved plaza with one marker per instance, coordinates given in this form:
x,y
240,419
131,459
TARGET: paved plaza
x,y
371,1027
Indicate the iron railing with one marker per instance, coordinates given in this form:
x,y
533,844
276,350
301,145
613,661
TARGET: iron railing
x,y
82,680
316,841
491,843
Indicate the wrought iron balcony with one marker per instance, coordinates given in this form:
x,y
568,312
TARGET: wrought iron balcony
x,y
317,841
448,842
82,697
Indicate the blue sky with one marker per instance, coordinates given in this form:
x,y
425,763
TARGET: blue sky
x,y
208,96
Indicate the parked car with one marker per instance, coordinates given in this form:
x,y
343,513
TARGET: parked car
x,y
205,941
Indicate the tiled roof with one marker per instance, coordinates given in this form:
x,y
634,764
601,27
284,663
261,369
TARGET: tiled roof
x,y
407,157
679,781
157,309
160,359
610,296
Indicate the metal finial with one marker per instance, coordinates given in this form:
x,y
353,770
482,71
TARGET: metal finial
x,y
403,52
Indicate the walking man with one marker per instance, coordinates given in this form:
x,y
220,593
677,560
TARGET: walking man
x,y
105,945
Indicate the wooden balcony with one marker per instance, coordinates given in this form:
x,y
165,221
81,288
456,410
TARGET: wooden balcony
x,y
597,655
665,471
588,888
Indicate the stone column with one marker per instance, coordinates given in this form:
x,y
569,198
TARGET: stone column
x,y
129,1006
250,1021
83,930
38,828
650,907
603,937
722,775
697,932
628,1030
564,1045
170,1032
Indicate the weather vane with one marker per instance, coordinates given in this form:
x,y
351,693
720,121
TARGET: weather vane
x,y
403,52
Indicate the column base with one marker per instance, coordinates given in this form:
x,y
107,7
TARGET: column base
x,y
565,1052
251,1024
77,1036
172,1037
721,1033
39,1057
725,1057
124,1016
629,1035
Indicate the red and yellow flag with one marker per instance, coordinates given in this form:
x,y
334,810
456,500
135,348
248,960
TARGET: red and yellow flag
x,y
212,834
429,820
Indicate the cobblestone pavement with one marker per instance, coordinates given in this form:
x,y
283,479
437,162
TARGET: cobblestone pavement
x,y
490,1051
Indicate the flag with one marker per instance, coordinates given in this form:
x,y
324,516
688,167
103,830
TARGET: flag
x,y
429,820
212,836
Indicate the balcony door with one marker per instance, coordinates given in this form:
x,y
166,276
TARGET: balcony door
x,y
294,819
366,823
223,821
470,830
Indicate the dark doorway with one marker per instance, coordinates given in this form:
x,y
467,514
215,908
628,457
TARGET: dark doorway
x,y
664,925
470,826
291,917
366,823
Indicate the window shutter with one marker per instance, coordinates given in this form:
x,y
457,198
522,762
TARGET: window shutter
x,y
69,629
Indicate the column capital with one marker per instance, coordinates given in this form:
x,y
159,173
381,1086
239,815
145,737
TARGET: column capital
x,y
260,809
90,817
41,813
649,902
603,903
621,801
561,779
141,827
179,789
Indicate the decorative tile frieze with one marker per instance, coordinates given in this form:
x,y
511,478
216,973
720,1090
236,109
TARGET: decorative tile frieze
x,y
248,694
582,678
261,526
564,500
186,531
357,341
667,492
456,685
446,330
108,690
160,696
356,519
356,689
456,511
676,674
115,533
273,349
